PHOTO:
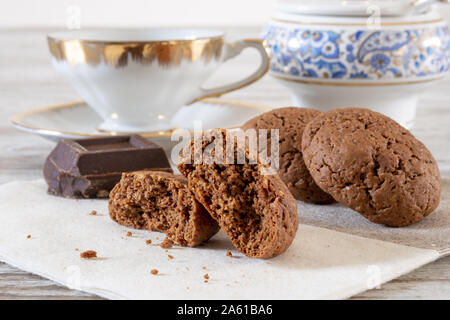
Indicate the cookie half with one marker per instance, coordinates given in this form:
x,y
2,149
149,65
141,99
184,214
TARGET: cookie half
x,y
253,207
160,201
373,165
291,122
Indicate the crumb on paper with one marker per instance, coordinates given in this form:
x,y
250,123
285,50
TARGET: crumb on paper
x,y
187,288
167,243
229,254
187,268
93,213
206,281
170,256
148,241
206,276
154,272
76,249
204,268
129,234
88,254
29,236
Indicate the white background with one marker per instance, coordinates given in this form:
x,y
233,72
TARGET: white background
x,y
133,13
123,13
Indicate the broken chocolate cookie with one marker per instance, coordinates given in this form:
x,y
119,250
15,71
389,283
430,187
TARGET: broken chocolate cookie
x,y
161,201
251,204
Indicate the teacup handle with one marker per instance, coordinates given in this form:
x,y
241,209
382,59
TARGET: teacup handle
x,y
232,50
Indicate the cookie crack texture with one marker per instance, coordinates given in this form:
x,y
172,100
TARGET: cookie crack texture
x,y
281,118
373,165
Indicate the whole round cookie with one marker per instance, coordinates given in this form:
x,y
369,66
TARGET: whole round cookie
x,y
373,165
291,122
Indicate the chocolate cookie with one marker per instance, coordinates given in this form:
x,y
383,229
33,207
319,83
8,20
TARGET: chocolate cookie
x,y
291,122
373,165
161,201
257,211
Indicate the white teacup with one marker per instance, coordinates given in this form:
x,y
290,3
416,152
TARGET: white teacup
x,y
136,80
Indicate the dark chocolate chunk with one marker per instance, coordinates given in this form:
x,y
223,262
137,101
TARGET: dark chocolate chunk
x,y
90,168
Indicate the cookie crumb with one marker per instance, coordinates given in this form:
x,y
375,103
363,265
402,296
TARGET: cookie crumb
x,y
93,213
88,254
206,276
148,241
187,288
206,281
76,249
167,243
170,256
129,234
204,268
154,272
229,254
29,236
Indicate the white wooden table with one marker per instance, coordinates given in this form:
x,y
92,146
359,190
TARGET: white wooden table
x,y
27,80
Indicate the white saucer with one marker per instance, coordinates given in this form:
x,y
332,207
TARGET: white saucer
x,y
78,121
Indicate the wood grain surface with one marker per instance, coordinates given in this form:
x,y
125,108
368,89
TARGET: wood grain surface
x,y
27,80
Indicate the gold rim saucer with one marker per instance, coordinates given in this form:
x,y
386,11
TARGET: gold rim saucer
x,y
18,120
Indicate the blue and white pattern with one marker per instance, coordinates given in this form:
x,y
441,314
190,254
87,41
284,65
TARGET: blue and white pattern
x,y
365,54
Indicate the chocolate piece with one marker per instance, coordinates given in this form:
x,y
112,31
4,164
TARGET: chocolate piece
x,y
90,168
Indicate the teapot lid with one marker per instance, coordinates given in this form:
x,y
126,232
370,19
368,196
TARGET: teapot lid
x,y
355,7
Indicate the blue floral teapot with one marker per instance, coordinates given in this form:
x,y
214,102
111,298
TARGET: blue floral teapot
x,y
322,50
